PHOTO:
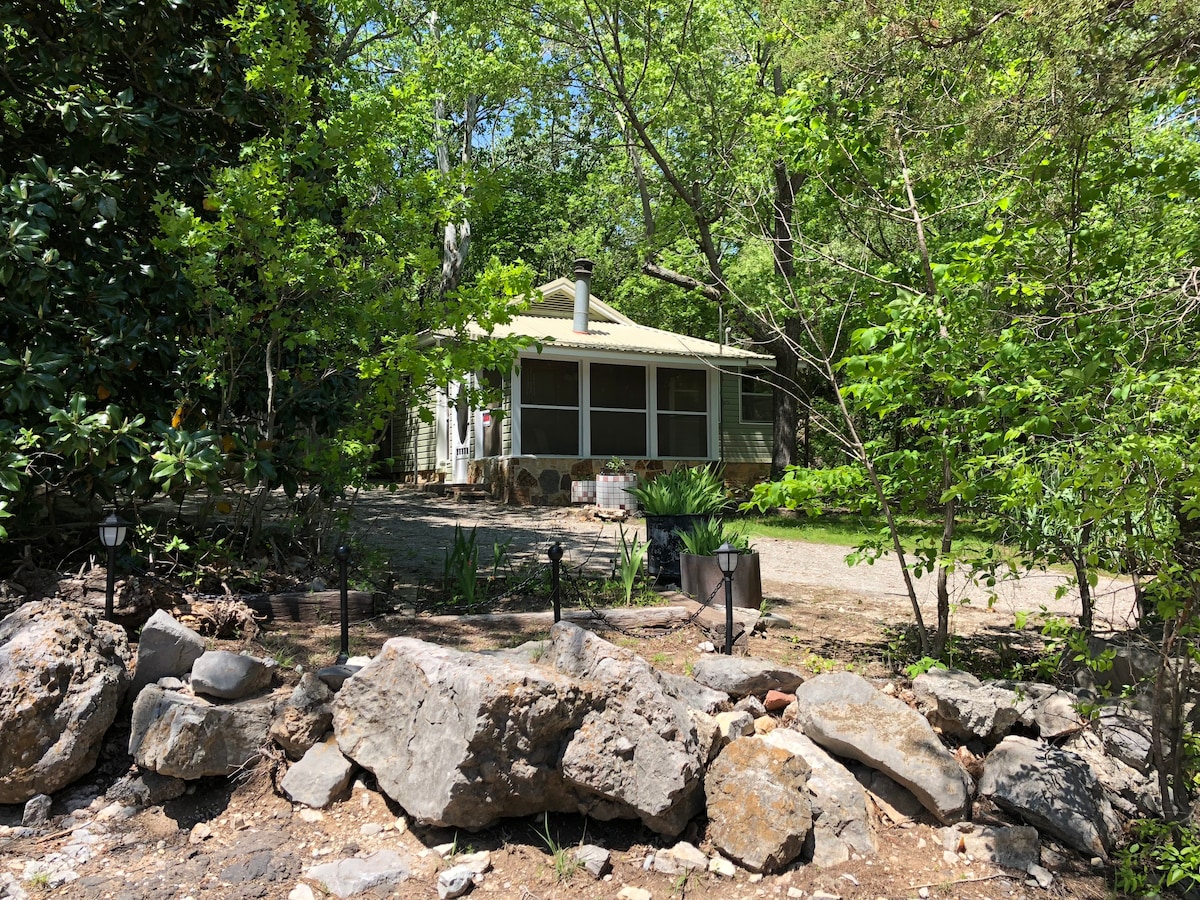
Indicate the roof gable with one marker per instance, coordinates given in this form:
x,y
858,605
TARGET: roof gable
x,y
558,302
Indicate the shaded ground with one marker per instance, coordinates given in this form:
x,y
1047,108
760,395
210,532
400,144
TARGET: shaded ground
x,y
259,844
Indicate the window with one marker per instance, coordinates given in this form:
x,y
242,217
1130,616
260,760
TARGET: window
x,y
618,410
683,413
757,396
550,407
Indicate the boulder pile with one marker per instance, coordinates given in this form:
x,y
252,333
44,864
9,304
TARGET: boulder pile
x,y
576,724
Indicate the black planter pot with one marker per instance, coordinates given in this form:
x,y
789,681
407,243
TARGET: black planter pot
x,y
662,559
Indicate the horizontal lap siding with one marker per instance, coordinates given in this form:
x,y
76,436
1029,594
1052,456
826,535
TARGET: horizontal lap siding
x,y
749,442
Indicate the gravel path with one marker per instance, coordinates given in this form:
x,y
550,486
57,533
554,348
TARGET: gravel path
x,y
415,529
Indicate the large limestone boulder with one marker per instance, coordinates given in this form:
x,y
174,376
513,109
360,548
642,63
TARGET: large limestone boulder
x,y
63,674
848,717
1053,790
166,648
740,676
758,809
961,705
841,814
459,739
177,734
462,739
637,749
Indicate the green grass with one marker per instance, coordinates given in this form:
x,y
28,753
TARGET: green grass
x,y
849,530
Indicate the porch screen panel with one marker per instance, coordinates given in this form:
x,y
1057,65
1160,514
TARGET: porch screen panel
x,y
549,407
618,410
683,413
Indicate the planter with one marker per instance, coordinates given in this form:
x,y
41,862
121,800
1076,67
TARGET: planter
x,y
662,559
700,576
611,492
583,492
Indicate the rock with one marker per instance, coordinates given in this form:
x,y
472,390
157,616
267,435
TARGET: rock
x,y
758,809
459,739
683,857
719,865
633,893
752,705
1040,876
894,800
166,649
742,675
305,716
301,892
765,725
1055,713
321,776
734,724
594,859
1125,733
63,675
844,714
37,811
335,676
145,789
189,737
475,863
708,735
1053,789
455,882
230,676
961,705
776,701
841,816
347,877
659,778
1013,847
1131,793
693,693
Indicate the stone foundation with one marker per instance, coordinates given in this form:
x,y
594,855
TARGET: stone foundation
x,y
546,480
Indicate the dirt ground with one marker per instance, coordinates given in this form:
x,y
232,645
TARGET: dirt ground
x,y
258,844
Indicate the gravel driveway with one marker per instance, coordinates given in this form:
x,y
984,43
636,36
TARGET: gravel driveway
x,y
416,528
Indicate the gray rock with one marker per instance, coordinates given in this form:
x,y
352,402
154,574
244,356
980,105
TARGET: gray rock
x,y
335,676
961,705
189,737
844,714
346,877
752,705
63,675
1132,793
841,816
742,675
693,693
636,752
758,808
321,776
230,676
305,717
1013,847
595,860
1052,789
1125,732
37,811
456,881
895,800
145,789
734,724
1056,713
166,649
459,739
683,857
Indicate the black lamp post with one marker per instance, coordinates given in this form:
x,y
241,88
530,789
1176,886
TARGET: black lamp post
x,y
727,561
556,554
342,555
112,536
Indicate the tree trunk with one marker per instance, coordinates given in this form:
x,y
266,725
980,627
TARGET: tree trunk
x,y
949,511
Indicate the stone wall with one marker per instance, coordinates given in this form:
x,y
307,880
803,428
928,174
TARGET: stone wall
x,y
546,480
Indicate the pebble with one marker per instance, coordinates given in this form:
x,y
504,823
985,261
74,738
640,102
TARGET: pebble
x,y
302,892
923,893
200,832
370,829
455,882
311,815
719,865
634,893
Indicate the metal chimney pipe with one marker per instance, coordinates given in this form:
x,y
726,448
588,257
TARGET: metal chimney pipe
x,y
583,292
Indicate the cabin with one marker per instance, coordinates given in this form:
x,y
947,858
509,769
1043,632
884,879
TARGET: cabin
x,y
601,387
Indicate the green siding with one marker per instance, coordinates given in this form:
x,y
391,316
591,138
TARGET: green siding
x,y
741,442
